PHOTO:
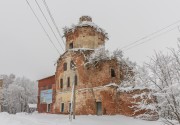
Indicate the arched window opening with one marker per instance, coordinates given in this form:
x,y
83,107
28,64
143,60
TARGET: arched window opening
x,y
61,83
71,46
65,66
113,74
68,82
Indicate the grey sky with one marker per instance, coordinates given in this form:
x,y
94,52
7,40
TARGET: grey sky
x,y
26,51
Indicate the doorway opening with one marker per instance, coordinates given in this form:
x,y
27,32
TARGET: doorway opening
x,y
48,107
99,108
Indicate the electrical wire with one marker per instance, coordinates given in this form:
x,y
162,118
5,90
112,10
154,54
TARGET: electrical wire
x,y
49,24
151,38
42,26
145,37
53,20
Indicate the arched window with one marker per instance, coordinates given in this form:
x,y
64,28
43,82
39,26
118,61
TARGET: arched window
x,y
68,82
65,66
113,74
61,83
71,45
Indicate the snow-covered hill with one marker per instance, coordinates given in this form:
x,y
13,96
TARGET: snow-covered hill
x,y
51,119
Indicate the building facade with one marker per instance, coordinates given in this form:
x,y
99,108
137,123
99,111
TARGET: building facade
x,y
46,93
95,84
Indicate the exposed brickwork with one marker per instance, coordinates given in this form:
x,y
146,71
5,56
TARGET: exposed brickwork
x,y
85,18
126,102
91,84
92,78
85,37
44,84
93,95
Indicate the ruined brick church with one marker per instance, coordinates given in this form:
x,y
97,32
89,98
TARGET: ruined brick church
x,y
95,84
95,93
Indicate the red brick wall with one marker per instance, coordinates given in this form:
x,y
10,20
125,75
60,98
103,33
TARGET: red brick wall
x,y
43,84
92,76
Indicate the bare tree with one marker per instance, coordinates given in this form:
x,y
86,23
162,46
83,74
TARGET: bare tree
x,y
163,80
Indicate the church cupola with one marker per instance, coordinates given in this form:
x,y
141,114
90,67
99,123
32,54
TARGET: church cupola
x,y
85,34
85,18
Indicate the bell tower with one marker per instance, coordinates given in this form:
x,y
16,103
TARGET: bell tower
x,y
85,34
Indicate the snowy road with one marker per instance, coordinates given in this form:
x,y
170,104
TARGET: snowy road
x,y
49,119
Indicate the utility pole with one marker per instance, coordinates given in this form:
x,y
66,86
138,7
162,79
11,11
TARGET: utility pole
x,y
73,99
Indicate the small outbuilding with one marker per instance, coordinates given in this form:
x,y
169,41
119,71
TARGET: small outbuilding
x,y
46,93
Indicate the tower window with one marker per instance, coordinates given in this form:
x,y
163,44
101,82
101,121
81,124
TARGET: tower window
x,y
68,82
61,83
113,74
65,66
75,79
70,45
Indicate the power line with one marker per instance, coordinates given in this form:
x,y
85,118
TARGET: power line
x,y
48,24
151,38
145,37
53,20
42,26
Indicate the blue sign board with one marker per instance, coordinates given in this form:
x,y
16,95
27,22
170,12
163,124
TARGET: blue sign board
x,y
46,96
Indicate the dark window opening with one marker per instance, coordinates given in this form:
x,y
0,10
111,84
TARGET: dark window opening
x,y
72,65
62,107
69,107
68,82
75,79
65,66
113,74
61,83
48,107
70,45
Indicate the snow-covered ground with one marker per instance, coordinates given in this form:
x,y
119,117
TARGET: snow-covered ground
x,y
51,119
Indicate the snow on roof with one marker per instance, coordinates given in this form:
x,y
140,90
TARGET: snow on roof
x,y
32,105
75,50
131,88
80,49
112,85
84,24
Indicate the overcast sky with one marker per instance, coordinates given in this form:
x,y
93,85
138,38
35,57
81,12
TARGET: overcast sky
x,y
26,51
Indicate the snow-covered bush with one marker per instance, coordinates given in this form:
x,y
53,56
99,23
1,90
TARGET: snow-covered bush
x,y
99,54
102,54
